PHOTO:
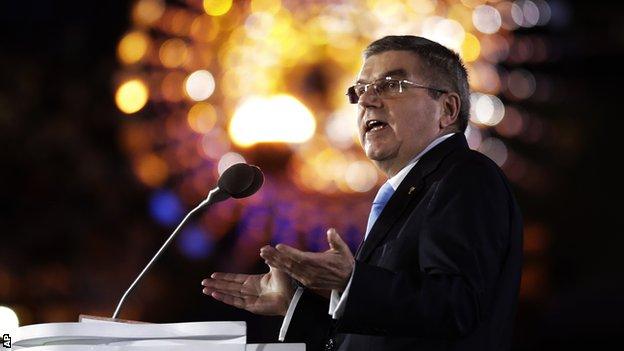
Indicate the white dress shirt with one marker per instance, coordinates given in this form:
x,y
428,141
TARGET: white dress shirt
x,y
337,301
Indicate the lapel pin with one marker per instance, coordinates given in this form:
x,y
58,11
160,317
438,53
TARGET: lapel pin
x,y
411,190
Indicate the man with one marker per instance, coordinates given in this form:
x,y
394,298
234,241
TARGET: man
x,y
439,268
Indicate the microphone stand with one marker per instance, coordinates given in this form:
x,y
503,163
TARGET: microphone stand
x,y
219,195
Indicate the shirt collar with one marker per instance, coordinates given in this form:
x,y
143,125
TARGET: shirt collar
x,y
398,178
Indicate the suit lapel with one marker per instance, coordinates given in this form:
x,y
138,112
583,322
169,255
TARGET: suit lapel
x,y
410,189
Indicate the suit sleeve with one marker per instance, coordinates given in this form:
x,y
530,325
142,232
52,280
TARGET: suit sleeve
x,y
310,322
453,260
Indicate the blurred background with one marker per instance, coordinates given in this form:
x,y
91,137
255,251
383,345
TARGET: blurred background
x,y
117,117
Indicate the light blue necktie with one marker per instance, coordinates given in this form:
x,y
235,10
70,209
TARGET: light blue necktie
x,y
381,199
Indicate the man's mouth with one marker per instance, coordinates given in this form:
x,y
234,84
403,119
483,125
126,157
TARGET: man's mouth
x,y
374,125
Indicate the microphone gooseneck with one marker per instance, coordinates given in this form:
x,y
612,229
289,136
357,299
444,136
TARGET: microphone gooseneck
x,y
238,181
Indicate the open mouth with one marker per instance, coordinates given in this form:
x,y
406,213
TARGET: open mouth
x,y
375,125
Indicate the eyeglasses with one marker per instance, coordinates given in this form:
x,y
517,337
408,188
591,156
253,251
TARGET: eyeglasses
x,y
384,88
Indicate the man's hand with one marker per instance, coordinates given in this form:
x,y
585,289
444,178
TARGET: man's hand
x,y
316,270
267,294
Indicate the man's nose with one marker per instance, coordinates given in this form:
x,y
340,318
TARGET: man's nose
x,y
370,99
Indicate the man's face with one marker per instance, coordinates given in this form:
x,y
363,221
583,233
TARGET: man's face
x,y
410,120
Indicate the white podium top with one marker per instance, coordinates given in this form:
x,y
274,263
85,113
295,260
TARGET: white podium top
x,y
103,335
104,332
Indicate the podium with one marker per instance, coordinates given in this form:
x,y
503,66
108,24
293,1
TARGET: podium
x,y
106,335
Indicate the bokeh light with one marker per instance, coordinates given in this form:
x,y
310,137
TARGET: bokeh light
x,y
530,13
447,32
361,176
486,109
173,53
217,7
228,160
151,170
194,242
8,319
486,19
131,96
521,83
471,48
133,47
200,85
280,118
202,117
165,207
147,12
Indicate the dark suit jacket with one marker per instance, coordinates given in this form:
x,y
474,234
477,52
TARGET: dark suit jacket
x,y
440,269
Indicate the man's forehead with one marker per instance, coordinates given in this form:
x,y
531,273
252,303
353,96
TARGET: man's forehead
x,y
399,64
395,73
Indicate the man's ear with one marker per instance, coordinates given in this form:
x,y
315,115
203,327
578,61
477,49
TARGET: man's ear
x,y
450,109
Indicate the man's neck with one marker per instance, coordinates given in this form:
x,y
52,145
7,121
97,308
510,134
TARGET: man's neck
x,y
394,166
391,167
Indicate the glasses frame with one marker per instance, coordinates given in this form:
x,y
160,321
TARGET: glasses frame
x,y
352,94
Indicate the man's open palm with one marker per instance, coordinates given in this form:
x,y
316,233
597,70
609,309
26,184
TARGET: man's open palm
x,y
266,294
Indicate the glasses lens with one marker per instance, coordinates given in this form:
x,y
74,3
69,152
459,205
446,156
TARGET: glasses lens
x,y
388,87
353,96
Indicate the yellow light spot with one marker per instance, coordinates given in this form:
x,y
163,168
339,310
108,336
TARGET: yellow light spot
x,y
217,7
202,117
270,6
280,118
131,96
151,170
132,47
173,53
471,48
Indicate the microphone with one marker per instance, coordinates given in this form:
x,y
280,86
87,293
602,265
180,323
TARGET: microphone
x,y
238,181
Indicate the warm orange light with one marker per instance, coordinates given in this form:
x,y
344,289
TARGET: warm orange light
x,y
147,12
151,170
173,53
202,117
132,47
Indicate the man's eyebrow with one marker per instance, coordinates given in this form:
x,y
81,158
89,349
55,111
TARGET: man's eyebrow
x,y
400,72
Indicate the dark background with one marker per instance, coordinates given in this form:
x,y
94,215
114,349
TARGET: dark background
x,y
73,216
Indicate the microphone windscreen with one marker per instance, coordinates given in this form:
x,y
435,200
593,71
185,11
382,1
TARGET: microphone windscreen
x,y
241,180
255,185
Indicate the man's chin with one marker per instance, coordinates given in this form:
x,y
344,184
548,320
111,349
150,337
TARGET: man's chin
x,y
379,156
